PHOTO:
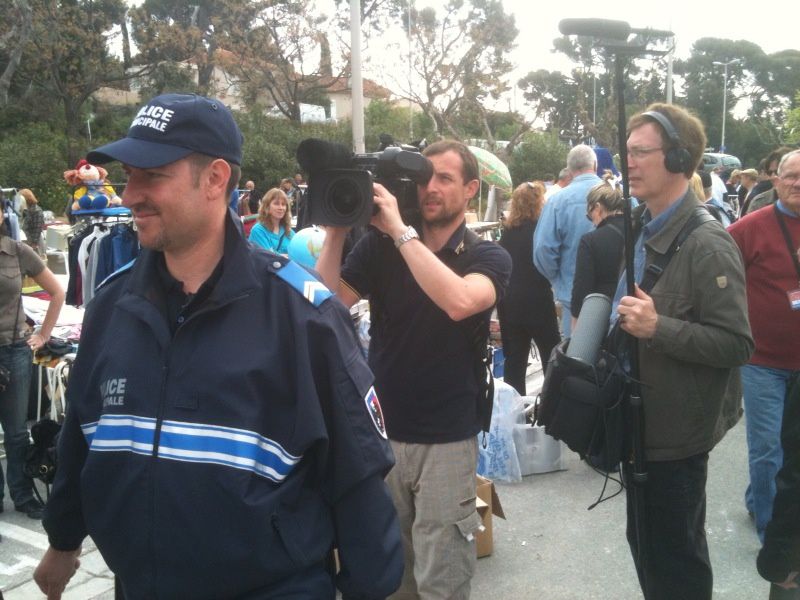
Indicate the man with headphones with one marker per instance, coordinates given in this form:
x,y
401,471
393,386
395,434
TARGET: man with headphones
x,y
693,335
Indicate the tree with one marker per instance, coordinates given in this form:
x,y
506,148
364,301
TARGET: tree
x,y
382,116
537,154
458,57
19,23
582,106
792,128
66,58
766,84
180,32
286,54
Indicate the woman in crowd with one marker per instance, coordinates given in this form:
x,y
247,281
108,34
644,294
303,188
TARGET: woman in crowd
x,y
32,221
17,345
274,228
527,312
597,265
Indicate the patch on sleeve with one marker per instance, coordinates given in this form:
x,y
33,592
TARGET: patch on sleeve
x,y
722,282
375,412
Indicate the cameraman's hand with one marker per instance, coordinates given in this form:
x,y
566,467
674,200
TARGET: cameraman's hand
x,y
387,219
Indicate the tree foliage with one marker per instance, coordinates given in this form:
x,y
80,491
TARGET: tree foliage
x,y
191,33
537,154
66,58
284,59
459,57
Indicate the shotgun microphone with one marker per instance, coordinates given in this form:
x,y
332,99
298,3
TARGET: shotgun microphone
x,y
599,28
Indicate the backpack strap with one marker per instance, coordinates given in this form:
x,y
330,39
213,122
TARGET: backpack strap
x,y
656,268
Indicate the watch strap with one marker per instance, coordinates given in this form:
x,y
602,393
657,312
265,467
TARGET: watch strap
x,y
410,234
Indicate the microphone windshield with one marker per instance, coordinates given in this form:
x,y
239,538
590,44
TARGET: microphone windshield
x,y
315,155
591,328
599,28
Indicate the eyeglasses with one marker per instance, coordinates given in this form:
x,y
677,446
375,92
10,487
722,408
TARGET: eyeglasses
x,y
590,210
790,178
638,152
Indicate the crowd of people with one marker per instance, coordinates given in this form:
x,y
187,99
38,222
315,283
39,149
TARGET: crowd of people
x,y
204,478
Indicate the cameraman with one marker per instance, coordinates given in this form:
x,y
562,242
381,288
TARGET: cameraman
x,y
429,293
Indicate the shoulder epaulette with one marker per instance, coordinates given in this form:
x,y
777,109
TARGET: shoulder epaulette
x,y
122,270
311,288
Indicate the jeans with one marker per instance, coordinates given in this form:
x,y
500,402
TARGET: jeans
x,y
675,563
13,412
565,323
764,394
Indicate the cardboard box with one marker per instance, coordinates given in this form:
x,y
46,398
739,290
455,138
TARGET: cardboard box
x,y
488,504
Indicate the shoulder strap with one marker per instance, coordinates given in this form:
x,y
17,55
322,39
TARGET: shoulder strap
x,y
19,302
656,268
715,211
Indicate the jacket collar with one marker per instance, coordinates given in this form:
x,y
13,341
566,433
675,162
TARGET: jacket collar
x,y
662,240
238,273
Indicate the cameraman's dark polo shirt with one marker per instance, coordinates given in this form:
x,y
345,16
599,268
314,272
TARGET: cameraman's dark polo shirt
x,y
423,361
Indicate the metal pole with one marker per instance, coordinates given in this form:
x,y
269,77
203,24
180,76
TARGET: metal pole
x,y
634,394
724,108
356,82
725,65
669,71
410,104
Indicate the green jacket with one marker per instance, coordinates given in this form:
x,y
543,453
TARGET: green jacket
x,y
689,370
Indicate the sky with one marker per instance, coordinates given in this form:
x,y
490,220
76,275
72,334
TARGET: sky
x,y
537,23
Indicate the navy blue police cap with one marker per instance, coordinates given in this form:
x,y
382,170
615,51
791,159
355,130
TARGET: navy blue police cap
x,y
172,126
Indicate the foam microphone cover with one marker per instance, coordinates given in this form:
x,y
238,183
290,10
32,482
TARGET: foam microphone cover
x,y
315,155
599,28
591,328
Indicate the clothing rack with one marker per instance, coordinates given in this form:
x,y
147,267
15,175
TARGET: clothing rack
x,y
106,220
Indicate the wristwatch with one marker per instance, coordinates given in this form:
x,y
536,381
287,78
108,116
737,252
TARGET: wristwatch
x,y
410,234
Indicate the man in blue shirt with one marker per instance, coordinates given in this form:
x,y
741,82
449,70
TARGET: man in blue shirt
x,y
561,226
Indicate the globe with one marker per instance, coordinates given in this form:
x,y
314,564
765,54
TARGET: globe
x,y
306,246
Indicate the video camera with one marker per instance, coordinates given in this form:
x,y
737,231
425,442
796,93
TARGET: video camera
x,y
340,182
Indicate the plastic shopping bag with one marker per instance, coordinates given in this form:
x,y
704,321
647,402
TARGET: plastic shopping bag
x,y
498,460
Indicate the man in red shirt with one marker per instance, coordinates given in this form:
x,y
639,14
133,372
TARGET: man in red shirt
x,y
769,239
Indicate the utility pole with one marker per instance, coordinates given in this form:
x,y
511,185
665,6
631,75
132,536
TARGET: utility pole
x,y
356,82
735,61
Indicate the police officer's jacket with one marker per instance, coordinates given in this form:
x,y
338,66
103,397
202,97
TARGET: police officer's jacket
x,y
226,460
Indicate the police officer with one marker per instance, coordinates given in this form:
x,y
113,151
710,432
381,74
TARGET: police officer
x,y
222,433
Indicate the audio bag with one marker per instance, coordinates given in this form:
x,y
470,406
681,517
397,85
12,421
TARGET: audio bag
x,y
581,404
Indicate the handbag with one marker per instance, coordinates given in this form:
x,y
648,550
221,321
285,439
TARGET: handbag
x,y
41,457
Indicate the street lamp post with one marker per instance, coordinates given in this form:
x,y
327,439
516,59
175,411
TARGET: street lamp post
x,y
735,61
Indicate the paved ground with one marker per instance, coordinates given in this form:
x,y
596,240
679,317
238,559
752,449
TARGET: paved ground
x,y
549,546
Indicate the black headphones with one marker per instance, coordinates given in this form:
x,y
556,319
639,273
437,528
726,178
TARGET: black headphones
x,y
677,158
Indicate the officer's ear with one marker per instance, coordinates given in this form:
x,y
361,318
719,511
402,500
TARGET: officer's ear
x,y
215,178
